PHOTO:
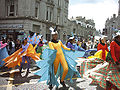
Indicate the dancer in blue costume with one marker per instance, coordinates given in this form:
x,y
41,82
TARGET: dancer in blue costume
x,y
58,61
3,53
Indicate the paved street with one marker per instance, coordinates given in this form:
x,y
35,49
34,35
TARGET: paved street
x,y
10,80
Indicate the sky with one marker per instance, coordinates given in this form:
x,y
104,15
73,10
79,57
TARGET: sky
x,y
98,10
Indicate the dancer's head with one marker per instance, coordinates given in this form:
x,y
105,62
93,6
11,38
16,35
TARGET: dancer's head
x,y
117,36
55,36
24,41
103,39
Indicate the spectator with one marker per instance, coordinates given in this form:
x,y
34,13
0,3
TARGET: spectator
x,y
3,40
17,45
11,46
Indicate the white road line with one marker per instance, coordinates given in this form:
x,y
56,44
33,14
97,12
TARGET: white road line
x,y
10,82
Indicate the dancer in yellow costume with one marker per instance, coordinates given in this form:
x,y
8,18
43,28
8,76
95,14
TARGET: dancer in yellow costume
x,y
60,58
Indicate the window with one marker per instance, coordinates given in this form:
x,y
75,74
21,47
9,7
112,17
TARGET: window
x,y
59,2
58,17
66,4
36,12
47,15
48,37
11,10
36,28
37,9
50,15
11,7
65,20
74,30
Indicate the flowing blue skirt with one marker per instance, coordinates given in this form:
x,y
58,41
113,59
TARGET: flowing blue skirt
x,y
3,55
47,67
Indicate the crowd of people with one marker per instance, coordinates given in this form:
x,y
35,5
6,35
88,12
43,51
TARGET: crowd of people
x,y
57,56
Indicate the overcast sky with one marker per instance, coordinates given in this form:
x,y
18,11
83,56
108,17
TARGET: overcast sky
x,y
99,10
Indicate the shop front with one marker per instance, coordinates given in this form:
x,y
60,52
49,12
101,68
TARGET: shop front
x,y
11,31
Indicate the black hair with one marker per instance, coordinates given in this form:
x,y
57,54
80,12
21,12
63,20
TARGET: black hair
x,y
68,41
24,40
116,37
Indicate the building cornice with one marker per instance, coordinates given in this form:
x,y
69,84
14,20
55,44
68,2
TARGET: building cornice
x,y
31,18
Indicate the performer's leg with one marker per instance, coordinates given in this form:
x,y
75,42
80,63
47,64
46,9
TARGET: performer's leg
x,y
65,67
28,65
56,64
23,61
28,62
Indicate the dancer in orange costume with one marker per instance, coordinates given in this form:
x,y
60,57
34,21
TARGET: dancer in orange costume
x,y
16,58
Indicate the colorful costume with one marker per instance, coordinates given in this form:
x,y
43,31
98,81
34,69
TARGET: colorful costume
x,y
115,51
16,58
40,48
70,45
78,48
3,53
101,71
104,48
99,55
58,61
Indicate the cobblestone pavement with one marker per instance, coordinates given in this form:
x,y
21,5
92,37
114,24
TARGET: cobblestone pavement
x,y
11,80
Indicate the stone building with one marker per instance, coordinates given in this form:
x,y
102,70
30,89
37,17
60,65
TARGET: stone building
x,y
81,27
38,16
112,24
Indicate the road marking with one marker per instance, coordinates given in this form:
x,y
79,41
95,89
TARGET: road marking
x,y
11,85
10,82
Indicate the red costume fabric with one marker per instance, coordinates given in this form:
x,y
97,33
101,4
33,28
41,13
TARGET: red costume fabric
x,y
103,48
115,51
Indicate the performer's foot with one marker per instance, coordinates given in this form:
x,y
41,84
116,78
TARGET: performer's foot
x,y
50,87
63,83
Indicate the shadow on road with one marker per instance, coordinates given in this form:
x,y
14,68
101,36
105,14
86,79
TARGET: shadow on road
x,y
74,84
17,79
